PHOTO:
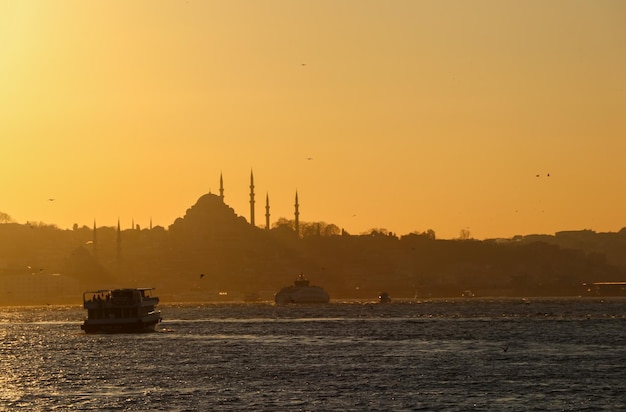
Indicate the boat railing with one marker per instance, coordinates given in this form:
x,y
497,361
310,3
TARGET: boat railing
x,y
105,299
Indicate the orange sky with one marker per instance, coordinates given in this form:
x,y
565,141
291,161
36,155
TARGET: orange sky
x,y
417,114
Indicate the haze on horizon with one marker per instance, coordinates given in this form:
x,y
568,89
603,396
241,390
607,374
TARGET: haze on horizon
x,y
404,115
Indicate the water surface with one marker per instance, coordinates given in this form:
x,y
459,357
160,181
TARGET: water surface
x,y
474,354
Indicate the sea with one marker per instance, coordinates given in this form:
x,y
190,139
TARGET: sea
x,y
468,354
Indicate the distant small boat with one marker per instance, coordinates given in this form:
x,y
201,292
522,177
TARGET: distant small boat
x,y
120,311
301,292
252,297
384,297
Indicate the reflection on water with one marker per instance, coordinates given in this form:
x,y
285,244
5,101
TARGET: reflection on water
x,y
564,354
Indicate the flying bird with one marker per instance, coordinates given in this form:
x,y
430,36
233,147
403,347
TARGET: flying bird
x,y
51,200
201,275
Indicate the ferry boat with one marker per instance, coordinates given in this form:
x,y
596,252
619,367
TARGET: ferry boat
x,y
120,311
301,292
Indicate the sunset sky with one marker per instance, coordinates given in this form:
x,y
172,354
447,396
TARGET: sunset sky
x,y
416,115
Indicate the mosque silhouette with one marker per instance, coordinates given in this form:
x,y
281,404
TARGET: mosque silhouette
x,y
267,205
209,211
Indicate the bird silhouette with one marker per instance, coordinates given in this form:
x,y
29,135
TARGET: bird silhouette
x,y
201,275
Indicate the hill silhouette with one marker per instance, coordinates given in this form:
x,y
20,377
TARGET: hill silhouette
x,y
211,253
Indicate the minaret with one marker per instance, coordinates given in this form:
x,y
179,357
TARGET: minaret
x,y
297,214
119,242
267,211
150,223
221,187
119,247
251,198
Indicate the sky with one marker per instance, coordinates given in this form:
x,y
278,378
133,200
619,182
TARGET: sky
x,y
500,118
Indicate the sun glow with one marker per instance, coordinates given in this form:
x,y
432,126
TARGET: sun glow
x,y
417,116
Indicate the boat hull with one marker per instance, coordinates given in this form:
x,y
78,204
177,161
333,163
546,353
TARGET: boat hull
x,y
310,294
145,324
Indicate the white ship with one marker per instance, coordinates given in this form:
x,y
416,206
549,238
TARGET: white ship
x,y
301,292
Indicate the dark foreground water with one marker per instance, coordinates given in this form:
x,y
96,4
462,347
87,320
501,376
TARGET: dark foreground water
x,y
497,355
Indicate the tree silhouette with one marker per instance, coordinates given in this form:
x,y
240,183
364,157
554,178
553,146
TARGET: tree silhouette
x,y
5,218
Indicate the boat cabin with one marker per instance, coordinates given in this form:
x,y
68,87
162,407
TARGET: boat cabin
x,y
119,303
301,281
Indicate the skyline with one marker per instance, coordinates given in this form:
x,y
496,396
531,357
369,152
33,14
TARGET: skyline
x,y
401,115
